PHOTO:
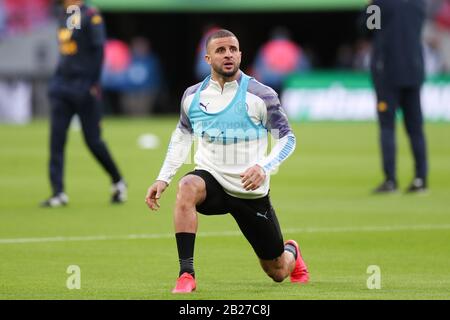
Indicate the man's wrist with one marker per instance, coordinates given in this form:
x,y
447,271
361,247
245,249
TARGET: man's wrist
x,y
161,180
263,170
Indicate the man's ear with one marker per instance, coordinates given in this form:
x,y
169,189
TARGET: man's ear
x,y
208,59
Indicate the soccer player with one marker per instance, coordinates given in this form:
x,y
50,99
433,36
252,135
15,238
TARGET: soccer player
x,y
398,74
231,114
74,89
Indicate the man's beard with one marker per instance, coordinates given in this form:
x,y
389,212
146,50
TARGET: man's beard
x,y
226,74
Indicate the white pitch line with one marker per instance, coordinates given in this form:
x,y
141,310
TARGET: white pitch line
x,y
229,233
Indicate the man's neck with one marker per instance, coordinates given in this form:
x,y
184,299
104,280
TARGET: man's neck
x,y
222,80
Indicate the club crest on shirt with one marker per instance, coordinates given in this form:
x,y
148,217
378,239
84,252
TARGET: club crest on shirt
x,y
241,107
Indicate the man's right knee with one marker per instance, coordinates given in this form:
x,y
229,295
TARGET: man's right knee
x,y
191,190
275,269
277,275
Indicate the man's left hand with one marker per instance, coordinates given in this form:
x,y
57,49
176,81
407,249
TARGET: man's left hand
x,y
95,91
253,177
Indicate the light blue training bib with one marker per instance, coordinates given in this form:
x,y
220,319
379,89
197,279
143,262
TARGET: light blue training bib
x,y
230,125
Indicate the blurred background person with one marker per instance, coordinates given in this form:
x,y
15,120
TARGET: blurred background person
x,y
143,79
344,57
2,19
362,55
74,90
398,74
131,77
24,25
15,101
433,55
117,60
279,57
437,37
24,15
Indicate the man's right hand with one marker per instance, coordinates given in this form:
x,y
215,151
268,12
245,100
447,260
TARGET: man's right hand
x,y
154,193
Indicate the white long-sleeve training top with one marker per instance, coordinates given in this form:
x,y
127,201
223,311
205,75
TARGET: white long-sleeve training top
x,y
227,161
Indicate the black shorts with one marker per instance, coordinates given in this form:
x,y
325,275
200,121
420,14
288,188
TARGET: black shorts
x,y
255,217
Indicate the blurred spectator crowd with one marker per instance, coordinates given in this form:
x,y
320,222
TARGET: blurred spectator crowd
x,y
133,76
18,16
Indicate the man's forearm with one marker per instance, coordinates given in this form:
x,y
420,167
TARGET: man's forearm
x,y
97,56
177,152
281,151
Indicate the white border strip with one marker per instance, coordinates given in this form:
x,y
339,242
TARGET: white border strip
x,y
228,233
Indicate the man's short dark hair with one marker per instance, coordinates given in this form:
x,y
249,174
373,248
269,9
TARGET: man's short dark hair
x,y
222,33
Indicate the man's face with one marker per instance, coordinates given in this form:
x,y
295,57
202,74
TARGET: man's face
x,y
224,56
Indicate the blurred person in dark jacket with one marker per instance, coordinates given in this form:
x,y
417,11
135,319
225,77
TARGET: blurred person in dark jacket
x,y
397,68
74,90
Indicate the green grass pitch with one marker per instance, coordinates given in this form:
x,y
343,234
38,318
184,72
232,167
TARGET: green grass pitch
x,y
321,196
